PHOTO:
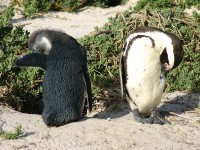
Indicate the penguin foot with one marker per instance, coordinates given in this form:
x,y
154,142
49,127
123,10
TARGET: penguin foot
x,y
154,118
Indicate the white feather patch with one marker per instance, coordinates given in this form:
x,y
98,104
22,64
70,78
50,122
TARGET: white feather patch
x,y
144,70
42,43
161,41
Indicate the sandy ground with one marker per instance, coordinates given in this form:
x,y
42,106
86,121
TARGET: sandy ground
x,y
104,130
75,24
114,129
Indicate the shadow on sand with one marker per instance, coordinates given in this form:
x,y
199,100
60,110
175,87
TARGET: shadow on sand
x,y
176,102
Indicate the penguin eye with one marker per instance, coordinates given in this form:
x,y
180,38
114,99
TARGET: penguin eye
x,y
164,57
41,50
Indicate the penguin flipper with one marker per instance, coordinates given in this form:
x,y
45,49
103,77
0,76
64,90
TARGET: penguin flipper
x,y
120,76
89,89
32,60
86,75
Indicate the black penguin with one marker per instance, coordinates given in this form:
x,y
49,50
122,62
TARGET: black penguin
x,y
66,82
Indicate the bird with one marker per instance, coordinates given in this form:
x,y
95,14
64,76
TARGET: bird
x,y
66,85
147,56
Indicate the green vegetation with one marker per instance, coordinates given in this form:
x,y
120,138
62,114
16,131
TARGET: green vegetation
x,y
104,49
169,15
24,85
31,7
164,4
12,135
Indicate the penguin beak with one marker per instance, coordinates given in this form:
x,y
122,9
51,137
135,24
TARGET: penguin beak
x,y
166,67
165,61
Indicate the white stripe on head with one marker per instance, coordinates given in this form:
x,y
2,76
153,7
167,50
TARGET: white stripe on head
x,y
42,45
48,44
161,40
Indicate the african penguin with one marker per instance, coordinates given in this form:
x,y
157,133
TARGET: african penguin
x,y
66,82
147,56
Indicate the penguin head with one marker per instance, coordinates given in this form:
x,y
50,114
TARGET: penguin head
x,y
40,42
168,45
172,53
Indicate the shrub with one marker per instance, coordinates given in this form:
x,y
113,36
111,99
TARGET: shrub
x,y
104,47
170,16
22,85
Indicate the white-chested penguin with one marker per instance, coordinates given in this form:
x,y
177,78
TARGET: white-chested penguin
x,y
66,83
147,56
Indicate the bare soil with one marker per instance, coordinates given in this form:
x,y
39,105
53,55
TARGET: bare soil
x,y
111,129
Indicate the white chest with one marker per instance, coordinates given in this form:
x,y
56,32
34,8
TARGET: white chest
x,y
144,82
